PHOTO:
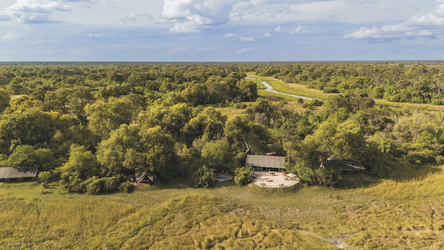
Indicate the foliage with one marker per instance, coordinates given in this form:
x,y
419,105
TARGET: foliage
x,y
203,177
104,185
243,176
105,117
167,118
81,166
27,156
126,187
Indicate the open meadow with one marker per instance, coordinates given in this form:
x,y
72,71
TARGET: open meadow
x,y
406,212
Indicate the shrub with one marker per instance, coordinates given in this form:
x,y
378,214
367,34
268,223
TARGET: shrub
x,y
103,185
48,176
243,176
439,159
112,184
306,174
316,102
421,157
203,177
330,90
328,178
96,186
126,187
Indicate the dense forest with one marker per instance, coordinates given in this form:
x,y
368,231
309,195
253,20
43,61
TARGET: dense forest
x,y
89,125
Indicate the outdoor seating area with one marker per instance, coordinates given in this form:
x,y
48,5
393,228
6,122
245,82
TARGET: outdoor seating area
x,y
274,179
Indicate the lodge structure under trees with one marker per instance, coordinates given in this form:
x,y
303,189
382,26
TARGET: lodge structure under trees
x,y
9,174
88,126
266,163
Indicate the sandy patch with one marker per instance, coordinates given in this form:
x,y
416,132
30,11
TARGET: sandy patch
x,y
273,179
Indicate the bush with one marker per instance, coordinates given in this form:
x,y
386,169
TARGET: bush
x,y
96,186
243,176
126,187
306,174
421,157
330,90
316,102
439,159
328,178
103,185
48,176
203,177
112,184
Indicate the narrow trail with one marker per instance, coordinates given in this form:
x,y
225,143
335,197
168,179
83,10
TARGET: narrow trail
x,y
270,89
338,242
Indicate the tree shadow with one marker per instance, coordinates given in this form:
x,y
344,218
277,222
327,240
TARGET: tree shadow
x,y
400,172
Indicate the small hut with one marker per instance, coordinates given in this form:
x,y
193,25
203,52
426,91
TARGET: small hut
x,y
9,174
143,178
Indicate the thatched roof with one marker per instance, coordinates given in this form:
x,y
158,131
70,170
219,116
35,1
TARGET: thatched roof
x,y
141,174
265,161
14,173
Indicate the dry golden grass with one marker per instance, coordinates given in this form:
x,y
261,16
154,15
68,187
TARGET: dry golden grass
x,y
404,213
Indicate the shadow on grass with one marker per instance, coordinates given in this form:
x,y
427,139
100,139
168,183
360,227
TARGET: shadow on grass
x,y
398,171
405,171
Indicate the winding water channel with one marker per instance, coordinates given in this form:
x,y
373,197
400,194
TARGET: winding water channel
x,y
269,88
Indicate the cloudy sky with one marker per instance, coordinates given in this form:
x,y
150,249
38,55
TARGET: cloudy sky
x,y
221,30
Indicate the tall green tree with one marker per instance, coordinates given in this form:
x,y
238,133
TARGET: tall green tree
x,y
107,116
131,147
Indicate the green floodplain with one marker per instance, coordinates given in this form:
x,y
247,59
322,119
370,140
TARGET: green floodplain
x,y
88,126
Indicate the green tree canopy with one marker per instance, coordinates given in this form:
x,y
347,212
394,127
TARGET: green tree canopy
x,y
107,116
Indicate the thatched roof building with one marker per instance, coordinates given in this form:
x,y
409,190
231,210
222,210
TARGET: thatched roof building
x,y
17,174
266,163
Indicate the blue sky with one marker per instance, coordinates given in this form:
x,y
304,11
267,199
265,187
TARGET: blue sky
x,y
221,30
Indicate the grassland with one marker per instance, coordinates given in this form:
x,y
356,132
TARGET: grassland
x,y
406,212
290,88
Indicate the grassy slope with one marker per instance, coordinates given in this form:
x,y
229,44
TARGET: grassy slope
x,y
407,213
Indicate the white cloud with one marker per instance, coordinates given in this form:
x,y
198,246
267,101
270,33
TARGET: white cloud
x,y
37,11
364,32
11,34
299,29
230,35
427,19
262,12
137,16
244,51
195,15
247,39
420,25
278,29
267,35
